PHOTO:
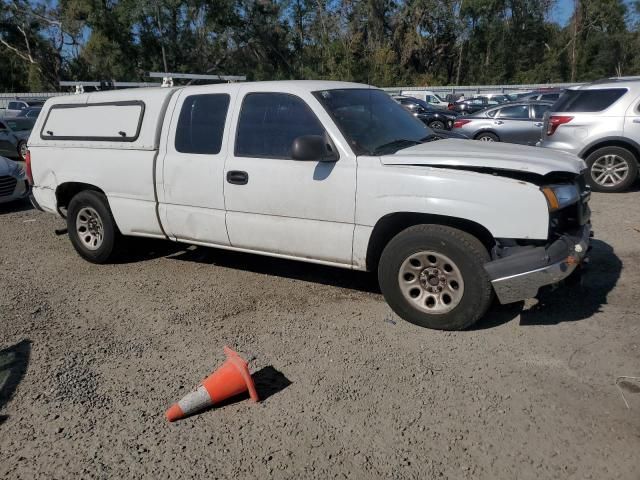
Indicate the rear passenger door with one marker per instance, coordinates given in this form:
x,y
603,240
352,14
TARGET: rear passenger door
x,y
514,125
279,205
190,188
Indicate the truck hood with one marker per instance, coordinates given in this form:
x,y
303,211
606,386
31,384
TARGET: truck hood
x,y
475,154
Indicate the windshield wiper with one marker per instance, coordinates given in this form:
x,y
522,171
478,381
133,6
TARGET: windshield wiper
x,y
395,145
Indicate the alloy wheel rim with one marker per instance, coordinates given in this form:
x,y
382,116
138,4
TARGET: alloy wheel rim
x,y
431,282
610,170
23,150
90,228
486,138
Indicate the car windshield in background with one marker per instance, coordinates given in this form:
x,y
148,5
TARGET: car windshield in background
x,y
20,125
588,100
372,122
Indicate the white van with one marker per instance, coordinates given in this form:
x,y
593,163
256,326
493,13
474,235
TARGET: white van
x,y
326,172
426,96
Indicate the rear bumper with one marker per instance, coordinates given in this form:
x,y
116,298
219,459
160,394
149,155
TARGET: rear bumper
x,y
520,275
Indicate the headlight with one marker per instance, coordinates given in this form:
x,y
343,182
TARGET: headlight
x,y
560,196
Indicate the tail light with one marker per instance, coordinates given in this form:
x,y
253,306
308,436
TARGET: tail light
x,y
450,106
460,123
555,121
27,160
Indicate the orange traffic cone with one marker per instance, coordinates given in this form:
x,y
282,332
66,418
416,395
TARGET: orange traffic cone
x,y
232,378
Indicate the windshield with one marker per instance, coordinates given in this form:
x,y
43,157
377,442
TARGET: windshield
x,y
371,121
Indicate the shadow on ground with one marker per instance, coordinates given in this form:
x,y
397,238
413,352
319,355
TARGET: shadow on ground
x,y
578,298
15,206
309,272
13,367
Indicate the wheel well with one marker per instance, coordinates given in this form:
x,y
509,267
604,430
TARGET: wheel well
x,y
390,225
613,143
66,191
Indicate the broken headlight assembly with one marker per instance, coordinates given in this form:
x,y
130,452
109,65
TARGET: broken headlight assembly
x,y
560,196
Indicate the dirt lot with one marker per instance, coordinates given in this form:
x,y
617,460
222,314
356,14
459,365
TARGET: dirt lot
x,y
91,357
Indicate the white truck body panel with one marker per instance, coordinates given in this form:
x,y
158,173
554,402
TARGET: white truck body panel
x,y
321,212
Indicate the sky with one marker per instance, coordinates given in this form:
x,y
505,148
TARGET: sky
x,y
562,10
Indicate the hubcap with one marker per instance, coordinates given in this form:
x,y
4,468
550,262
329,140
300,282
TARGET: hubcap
x,y
486,139
609,170
23,150
89,227
431,282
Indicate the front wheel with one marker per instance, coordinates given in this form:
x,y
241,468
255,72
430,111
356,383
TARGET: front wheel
x,y
611,169
433,276
437,125
92,230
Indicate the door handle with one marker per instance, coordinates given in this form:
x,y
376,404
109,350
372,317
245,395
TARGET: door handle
x,y
538,124
498,122
237,177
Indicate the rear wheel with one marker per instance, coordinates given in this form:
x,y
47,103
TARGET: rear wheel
x,y
437,125
22,150
434,276
92,230
487,137
611,169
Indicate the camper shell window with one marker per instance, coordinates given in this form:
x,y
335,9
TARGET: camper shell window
x,y
106,122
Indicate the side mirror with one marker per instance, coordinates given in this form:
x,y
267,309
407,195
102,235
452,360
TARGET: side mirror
x,y
314,148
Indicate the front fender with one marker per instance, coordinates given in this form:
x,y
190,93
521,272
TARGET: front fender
x,y
507,208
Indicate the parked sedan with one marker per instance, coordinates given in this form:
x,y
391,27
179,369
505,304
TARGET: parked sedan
x,y
519,122
31,112
434,118
13,181
14,133
475,104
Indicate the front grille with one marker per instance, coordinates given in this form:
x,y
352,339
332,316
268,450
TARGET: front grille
x,y
7,185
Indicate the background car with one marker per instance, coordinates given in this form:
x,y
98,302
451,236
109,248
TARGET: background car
x,y
599,122
427,96
550,95
434,118
14,107
475,104
14,133
518,122
31,112
13,181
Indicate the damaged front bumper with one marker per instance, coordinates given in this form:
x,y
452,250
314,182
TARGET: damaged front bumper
x,y
520,274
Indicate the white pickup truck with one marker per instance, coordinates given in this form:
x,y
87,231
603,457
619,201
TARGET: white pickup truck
x,y
326,172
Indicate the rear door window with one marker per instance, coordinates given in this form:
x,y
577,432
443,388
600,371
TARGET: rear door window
x,y
550,96
539,110
270,122
201,124
516,112
588,100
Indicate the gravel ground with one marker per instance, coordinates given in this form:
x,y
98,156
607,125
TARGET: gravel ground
x,y
92,356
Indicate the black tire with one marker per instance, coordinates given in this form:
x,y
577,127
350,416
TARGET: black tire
x,y
111,236
487,137
469,257
594,161
437,125
21,145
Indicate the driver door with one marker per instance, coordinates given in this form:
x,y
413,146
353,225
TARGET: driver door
x,y
279,205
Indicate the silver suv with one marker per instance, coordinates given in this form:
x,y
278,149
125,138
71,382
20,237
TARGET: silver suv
x,y
600,123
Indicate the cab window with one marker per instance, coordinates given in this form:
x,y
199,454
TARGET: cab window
x,y
270,122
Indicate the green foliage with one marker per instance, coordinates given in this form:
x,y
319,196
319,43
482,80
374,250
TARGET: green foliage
x,y
382,42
